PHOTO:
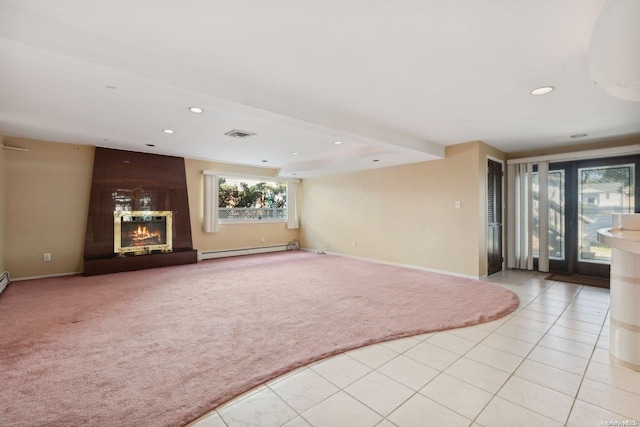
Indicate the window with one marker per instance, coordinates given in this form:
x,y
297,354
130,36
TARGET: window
x,y
249,200
617,182
556,215
235,200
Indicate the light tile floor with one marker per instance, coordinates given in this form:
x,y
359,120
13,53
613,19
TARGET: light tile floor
x,y
546,364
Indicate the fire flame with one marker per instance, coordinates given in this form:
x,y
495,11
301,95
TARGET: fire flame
x,y
143,233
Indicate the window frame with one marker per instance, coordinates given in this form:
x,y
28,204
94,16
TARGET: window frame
x,y
571,264
210,201
253,181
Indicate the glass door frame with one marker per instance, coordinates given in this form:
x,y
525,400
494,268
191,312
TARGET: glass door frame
x,y
572,264
570,210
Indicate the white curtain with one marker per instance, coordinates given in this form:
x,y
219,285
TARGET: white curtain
x,y
292,205
210,202
520,221
543,209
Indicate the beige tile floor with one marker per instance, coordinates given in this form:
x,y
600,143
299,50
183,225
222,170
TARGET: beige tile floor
x,y
546,364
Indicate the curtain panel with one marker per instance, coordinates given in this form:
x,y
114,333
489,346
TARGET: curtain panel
x,y
292,205
210,202
526,197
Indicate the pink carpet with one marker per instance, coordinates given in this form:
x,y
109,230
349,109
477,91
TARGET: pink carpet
x,y
161,347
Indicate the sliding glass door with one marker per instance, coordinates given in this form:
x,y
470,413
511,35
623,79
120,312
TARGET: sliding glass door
x,y
602,191
582,198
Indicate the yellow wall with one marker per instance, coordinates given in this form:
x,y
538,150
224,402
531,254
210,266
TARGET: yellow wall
x,y
230,236
46,204
2,206
402,214
405,214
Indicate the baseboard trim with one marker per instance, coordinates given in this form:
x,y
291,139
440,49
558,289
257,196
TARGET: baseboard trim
x,y
205,255
396,264
45,276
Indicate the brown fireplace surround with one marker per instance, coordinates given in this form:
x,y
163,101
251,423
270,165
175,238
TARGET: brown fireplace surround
x,y
130,186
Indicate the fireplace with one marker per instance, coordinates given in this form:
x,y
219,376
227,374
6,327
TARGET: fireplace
x,y
137,190
142,232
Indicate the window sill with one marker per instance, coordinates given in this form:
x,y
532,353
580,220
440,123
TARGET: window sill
x,y
254,221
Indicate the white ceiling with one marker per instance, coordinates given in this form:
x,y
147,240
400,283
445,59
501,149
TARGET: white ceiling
x,y
396,82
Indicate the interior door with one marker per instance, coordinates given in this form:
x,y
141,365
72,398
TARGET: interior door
x,y
494,217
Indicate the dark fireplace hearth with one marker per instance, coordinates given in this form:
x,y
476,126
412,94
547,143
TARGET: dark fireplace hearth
x,y
138,206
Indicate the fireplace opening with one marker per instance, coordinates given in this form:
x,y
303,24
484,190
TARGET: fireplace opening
x,y
143,233
139,233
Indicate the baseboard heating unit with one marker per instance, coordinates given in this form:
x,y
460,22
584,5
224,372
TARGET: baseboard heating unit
x,y
4,280
248,251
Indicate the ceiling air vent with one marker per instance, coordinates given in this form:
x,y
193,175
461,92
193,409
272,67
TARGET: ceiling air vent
x,y
239,133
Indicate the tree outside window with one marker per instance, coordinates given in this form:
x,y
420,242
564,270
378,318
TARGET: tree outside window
x,y
247,200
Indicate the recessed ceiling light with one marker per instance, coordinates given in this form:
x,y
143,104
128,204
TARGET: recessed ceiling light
x,y
110,87
579,135
542,90
295,153
264,161
196,110
376,160
150,145
167,131
337,142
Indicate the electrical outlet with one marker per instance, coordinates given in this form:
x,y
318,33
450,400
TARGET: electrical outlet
x,y
47,256
457,204
263,240
354,243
